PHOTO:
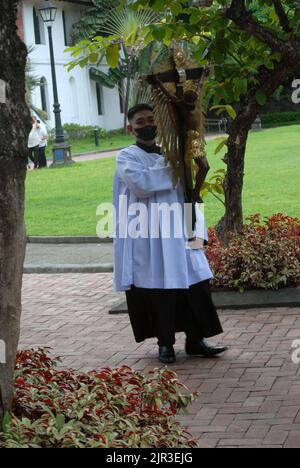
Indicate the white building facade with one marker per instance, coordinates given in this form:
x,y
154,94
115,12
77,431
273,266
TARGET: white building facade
x,y
82,100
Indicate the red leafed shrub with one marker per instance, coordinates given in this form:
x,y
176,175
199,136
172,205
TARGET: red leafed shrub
x,y
266,255
117,408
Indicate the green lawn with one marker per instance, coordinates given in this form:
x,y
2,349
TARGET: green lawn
x,y
64,201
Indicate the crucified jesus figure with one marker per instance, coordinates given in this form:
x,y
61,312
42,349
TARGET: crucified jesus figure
x,y
191,118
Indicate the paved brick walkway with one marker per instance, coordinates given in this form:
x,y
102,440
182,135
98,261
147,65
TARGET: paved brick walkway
x,y
249,398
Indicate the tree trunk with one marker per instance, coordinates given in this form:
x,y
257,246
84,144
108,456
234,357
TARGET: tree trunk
x,y
14,128
232,222
130,70
270,80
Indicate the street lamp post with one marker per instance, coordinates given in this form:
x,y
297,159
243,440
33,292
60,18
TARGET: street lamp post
x,y
61,149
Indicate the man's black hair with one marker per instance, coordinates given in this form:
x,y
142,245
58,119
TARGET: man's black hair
x,y
139,108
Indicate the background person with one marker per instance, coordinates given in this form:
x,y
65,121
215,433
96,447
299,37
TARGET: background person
x,y
42,161
34,144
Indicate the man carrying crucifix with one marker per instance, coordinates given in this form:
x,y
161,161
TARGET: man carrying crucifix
x,y
167,283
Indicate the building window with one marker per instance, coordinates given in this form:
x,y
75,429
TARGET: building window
x,y
67,43
38,26
44,95
68,28
99,98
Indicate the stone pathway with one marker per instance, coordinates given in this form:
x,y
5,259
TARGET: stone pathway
x,y
248,398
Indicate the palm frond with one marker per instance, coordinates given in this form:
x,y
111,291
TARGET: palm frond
x,y
42,115
32,81
127,23
139,95
90,25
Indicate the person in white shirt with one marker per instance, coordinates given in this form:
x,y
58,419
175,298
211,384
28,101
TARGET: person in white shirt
x,y
33,143
43,135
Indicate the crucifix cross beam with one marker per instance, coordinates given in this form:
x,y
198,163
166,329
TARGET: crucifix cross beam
x,y
178,75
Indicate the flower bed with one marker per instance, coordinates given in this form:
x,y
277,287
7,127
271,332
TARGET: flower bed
x,y
265,256
107,409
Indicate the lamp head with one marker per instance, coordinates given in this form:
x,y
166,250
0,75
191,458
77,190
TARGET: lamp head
x,y
48,13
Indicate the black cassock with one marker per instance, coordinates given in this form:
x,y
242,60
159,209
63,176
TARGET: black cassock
x,y
163,312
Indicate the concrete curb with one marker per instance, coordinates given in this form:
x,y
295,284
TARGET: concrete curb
x,y
288,297
90,153
59,269
68,240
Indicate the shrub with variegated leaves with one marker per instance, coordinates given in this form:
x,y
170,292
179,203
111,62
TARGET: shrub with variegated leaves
x,y
111,408
265,256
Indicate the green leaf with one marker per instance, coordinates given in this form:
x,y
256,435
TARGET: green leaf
x,y
274,16
116,74
83,63
221,108
220,171
158,5
243,86
94,58
230,110
6,421
112,55
158,33
60,422
176,9
109,81
221,145
261,97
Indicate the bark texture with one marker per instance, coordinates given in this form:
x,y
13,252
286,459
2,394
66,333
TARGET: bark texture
x,y
14,129
269,81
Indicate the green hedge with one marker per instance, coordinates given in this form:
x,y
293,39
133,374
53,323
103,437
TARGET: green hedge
x,y
278,119
79,132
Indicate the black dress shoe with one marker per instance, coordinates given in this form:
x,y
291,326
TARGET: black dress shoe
x,y
202,348
166,354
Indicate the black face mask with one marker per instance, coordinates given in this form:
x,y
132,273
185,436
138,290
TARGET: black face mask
x,y
147,133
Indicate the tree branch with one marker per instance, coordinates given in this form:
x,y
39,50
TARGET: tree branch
x,y
283,17
242,17
218,198
269,82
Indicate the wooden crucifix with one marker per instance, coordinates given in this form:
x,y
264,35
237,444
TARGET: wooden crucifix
x,y
189,117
